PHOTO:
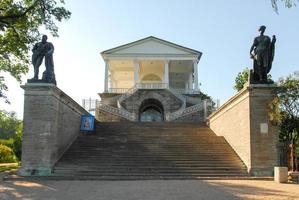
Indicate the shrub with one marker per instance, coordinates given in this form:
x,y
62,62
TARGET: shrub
x,y
6,154
8,142
17,145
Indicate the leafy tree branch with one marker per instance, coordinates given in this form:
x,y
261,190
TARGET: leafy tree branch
x,y
20,22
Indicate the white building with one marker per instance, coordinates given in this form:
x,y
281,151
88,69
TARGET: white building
x,y
151,67
151,60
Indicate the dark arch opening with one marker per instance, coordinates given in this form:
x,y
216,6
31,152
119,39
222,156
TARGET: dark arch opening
x,y
151,110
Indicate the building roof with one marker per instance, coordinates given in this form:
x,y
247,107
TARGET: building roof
x,y
151,46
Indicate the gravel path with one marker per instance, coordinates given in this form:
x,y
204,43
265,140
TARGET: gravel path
x,y
144,190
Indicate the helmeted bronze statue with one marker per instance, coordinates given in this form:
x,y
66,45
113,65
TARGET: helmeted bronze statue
x,y
262,53
40,51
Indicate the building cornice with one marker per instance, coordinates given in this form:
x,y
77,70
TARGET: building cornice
x,y
112,52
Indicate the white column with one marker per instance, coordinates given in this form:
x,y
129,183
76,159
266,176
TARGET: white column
x,y
166,73
195,75
106,75
136,67
111,81
190,81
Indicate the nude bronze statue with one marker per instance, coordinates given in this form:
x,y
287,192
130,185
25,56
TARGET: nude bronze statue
x,y
43,51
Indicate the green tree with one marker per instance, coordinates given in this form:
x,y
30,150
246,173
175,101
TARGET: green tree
x,y
20,22
285,112
9,125
17,142
11,132
242,78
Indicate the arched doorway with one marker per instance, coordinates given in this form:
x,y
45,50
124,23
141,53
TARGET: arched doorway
x,y
151,110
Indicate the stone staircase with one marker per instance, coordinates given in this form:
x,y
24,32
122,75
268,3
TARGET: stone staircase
x,y
125,106
132,151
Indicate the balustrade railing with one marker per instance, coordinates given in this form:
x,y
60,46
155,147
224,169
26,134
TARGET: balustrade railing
x,y
151,85
126,95
118,90
116,111
182,111
206,106
137,86
186,91
177,94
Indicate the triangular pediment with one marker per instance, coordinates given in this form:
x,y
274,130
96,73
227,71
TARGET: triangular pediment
x,y
151,46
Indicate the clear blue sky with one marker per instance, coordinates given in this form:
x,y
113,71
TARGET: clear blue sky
x,y
222,30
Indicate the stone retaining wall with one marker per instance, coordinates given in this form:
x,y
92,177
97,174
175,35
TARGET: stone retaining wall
x,y
51,124
243,121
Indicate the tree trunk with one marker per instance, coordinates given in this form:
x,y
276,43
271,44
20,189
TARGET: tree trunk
x,y
292,157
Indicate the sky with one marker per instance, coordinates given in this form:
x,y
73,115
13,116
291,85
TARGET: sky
x,y
222,30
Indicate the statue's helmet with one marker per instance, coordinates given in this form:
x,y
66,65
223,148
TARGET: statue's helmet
x,y
262,28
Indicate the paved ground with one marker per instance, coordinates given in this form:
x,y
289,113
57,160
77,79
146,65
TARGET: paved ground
x,y
143,190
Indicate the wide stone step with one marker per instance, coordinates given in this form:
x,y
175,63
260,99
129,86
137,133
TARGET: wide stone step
x,y
129,151
161,175
153,164
114,166
153,169
149,173
157,159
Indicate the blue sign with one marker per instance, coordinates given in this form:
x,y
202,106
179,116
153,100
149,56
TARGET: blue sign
x,y
87,123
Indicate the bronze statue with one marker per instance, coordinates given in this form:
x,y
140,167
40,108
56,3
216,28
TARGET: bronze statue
x,y
40,51
262,53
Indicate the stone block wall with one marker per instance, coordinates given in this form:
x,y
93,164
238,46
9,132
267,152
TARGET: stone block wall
x,y
264,153
232,120
168,100
244,123
109,98
133,103
51,124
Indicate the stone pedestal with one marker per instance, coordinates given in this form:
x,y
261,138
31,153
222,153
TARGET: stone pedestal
x,y
244,122
281,174
51,124
263,135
